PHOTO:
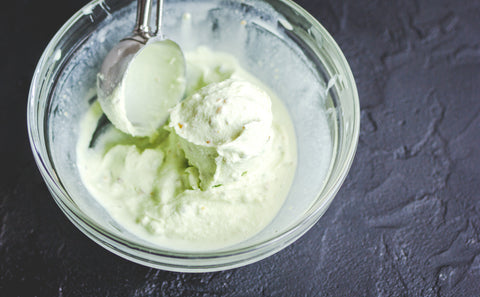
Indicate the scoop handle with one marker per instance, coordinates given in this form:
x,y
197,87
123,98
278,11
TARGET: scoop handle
x,y
158,29
142,23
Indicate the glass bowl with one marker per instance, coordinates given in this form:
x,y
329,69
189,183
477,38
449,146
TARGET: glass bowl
x,y
276,40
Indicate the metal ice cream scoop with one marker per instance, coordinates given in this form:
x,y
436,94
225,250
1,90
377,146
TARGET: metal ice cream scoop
x,y
116,65
116,62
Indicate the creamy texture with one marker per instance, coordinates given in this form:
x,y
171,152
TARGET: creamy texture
x,y
215,175
223,128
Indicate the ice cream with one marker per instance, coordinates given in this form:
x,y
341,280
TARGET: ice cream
x,y
223,128
214,175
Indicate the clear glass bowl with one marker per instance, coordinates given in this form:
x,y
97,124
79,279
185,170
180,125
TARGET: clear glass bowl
x,y
277,41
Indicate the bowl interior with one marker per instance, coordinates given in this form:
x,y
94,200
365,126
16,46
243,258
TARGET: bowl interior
x,y
286,50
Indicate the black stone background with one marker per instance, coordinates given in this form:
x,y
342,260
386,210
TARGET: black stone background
x,y
405,223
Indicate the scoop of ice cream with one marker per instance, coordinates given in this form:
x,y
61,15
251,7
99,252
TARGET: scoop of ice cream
x,y
222,128
154,82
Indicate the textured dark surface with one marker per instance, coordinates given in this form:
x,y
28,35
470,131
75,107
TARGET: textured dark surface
x,y
405,223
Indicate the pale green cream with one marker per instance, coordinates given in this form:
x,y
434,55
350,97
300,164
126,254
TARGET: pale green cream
x,y
224,129
178,191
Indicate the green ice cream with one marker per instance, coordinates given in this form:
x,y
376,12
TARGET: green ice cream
x,y
223,128
214,175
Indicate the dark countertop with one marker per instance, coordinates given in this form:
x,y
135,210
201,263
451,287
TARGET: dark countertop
x,y
405,223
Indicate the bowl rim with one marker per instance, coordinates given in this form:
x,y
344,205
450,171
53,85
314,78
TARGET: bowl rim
x,y
108,240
